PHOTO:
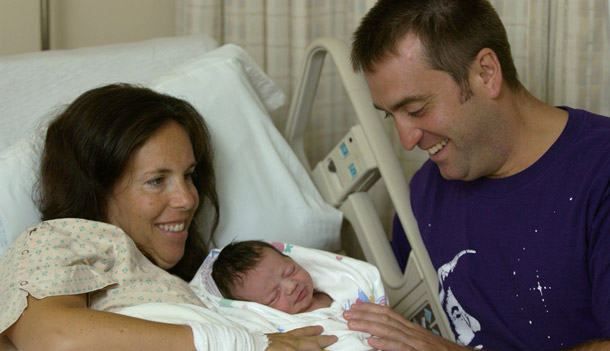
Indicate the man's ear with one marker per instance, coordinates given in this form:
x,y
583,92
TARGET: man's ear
x,y
489,73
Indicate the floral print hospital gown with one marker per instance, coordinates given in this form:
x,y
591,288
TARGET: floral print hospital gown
x,y
76,256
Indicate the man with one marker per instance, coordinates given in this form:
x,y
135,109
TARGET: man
x,y
514,203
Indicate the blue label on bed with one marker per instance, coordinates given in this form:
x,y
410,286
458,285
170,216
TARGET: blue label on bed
x,y
344,150
352,171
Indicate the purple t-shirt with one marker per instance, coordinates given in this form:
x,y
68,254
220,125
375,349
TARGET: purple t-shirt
x,y
524,261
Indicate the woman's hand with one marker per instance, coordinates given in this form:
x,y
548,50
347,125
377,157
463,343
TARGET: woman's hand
x,y
392,332
302,339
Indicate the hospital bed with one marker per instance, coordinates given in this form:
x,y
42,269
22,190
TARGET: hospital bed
x,y
267,188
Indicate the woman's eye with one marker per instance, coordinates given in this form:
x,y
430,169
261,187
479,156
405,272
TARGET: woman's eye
x,y
387,115
189,176
155,182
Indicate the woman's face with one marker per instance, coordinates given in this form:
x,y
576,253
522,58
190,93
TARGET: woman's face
x,y
155,199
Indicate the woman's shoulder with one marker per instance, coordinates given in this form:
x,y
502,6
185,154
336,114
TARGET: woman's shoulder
x,y
59,230
58,257
71,226
68,239
74,230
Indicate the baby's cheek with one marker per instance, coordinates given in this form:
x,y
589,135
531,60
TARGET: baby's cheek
x,y
284,306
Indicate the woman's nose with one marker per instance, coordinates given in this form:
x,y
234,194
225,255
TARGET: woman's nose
x,y
184,196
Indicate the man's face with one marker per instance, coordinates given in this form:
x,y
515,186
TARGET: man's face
x,y
464,137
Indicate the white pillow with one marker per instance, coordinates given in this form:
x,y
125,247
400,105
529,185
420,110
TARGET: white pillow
x,y
264,191
18,171
34,85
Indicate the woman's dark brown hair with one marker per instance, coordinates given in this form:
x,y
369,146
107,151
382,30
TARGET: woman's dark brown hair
x,y
89,145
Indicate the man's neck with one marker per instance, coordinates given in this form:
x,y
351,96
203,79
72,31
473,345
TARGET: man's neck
x,y
536,126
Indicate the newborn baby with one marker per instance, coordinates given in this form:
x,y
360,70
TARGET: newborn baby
x,y
256,271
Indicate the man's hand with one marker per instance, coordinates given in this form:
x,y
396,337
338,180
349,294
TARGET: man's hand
x,y
392,332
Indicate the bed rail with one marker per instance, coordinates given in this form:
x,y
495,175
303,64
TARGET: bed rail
x,y
343,177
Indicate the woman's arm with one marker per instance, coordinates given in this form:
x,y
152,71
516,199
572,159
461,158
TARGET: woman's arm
x,y
65,323
6,344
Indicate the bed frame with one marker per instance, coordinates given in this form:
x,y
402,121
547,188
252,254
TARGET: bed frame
x,y
346,174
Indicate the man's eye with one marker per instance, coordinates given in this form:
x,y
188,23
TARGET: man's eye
x,y
387,115
417,113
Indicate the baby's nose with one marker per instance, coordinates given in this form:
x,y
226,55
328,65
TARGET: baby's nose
x,y
289,286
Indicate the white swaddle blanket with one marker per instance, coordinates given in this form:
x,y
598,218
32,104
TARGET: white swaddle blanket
x,y
211,331
344,279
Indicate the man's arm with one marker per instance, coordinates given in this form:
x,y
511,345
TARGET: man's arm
x,y
394,333
593,345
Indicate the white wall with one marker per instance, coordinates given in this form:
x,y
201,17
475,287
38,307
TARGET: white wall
x,y
78,23
19,26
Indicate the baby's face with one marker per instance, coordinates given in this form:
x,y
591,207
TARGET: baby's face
x,y
278,282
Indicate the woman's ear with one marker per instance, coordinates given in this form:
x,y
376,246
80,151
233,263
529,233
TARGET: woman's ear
x,y
489,72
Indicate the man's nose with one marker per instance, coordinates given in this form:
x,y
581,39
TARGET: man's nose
x,y
410,135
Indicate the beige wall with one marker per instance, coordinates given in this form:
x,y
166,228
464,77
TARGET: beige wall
x,y
78,23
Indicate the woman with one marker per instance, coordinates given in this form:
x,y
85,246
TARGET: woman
x,y
123,172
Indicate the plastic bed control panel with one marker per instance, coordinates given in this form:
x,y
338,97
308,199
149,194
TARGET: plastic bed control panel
x,y
348,168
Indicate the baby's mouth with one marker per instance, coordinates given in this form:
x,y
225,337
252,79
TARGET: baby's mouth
x,y
302,295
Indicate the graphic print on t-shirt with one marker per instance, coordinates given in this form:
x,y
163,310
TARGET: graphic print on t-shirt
x,y
464,324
